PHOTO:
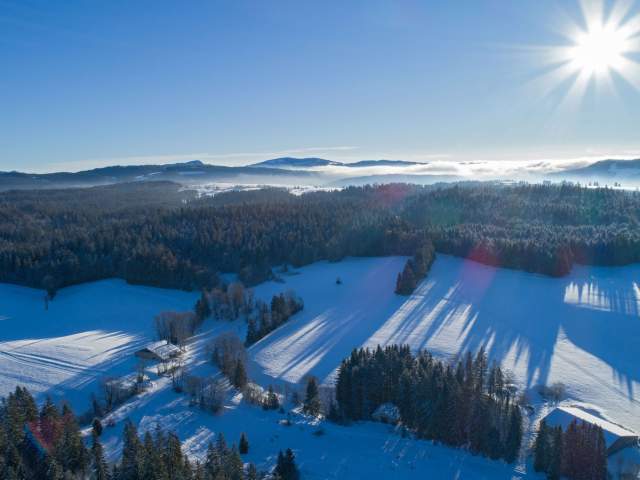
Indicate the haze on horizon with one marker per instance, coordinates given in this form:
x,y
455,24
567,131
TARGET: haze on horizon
x,y
87,85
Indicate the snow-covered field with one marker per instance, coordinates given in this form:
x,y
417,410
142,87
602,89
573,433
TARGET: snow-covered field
x,y
581,330
89,332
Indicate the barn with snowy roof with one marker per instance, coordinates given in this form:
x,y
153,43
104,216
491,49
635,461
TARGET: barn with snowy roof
x,y
616,437
161,351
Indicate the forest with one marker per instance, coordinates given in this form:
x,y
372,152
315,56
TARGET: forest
x,y
579,453
46,444
161,235
466,404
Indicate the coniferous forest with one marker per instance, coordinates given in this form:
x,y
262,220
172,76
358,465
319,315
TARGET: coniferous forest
x,y
159,234
46,444
468,403
578,453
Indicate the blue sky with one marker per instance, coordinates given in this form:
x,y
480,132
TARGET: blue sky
x,y
86,83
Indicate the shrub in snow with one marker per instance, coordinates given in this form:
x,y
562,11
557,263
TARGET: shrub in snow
x,y
387,413
554,392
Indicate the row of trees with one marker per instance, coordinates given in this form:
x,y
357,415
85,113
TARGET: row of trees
x,y
46,444
225,302
579,453
176,327
468,403
267,318
416,269
229,354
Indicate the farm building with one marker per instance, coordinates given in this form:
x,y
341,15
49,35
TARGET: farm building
x,y
161,351
616,437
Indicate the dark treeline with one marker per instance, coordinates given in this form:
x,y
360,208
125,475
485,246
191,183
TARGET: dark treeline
x,y
416,269
157,235
268,318
466,404
536,228
46,444
579,453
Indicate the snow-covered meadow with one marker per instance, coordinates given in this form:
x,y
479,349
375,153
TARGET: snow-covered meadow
x,y
581,330
88,332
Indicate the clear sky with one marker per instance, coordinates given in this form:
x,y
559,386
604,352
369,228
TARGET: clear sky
x,y
87,83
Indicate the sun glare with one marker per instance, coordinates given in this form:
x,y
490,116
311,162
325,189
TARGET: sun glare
x,y
599,50
602,48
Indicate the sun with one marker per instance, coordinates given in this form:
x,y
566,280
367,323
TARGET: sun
x,y
599,50
602,48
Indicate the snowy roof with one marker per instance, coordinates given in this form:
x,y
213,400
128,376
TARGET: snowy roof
x,y
563,416
163,349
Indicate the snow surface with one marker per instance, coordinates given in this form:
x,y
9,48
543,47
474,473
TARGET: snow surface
x,y
581,330
90,331
564,415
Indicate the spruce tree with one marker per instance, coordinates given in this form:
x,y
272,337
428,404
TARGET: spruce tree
x,y
286,468
152,464
271,401
252,472
312,404
244,444
132,450
96,427
541,449
99,467
554,469
240,375
173,457
514,435
53,469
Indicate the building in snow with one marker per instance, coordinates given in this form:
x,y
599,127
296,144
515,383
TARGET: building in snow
x,y
160,351
616,437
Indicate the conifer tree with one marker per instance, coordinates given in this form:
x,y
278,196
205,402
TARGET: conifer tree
x,y
286,468
312,404
152,465
555,456
244,444
132,450
514,435
96,427
99,467
252,472
53,469
271,401
541,449
240,375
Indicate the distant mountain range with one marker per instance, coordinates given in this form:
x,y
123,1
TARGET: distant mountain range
x,y
289,171
290,162
286,171
193,172
604,171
